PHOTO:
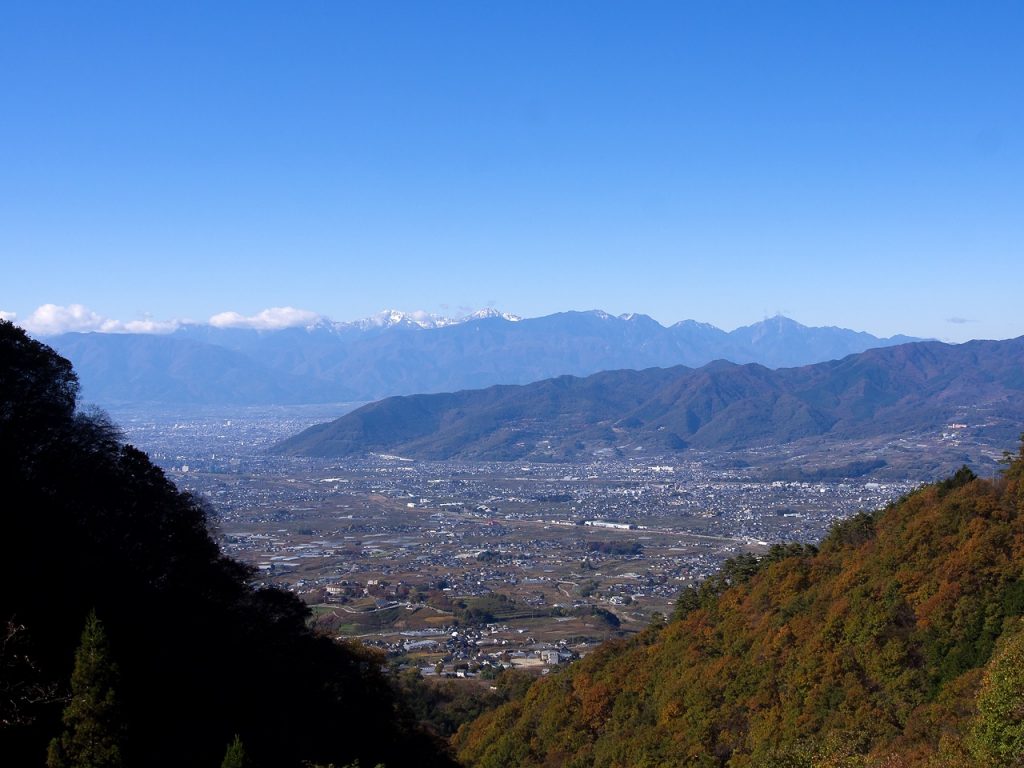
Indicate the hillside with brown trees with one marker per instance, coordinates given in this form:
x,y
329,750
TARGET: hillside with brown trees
x,y
897,642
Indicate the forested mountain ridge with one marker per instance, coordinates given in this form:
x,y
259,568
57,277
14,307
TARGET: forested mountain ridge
x,y
898,643
890,391
335,362
92,525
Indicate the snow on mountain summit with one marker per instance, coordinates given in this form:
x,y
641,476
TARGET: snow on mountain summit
x,y
391,318
489,312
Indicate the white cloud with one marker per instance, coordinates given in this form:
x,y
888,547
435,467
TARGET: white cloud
x,y
52,319
272,319
8,315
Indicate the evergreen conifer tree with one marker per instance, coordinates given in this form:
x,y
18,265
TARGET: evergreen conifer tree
x,y
235,756
92,727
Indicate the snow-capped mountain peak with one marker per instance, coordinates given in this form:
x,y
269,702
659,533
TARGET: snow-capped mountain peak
x,y
391,318
483,314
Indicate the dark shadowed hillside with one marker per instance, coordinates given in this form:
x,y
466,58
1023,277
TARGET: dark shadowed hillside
x,y
502,422
898,643
892,391
91,525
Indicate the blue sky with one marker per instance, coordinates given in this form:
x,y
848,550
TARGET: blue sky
x,y
854,164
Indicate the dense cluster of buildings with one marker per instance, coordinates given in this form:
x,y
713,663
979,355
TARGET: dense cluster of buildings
x,y
369,534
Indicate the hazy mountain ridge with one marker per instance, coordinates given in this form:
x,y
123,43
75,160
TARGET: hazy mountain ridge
x,y
406,353
914,387
181,369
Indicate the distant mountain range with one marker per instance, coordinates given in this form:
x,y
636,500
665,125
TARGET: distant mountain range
x,y
397,353
891,391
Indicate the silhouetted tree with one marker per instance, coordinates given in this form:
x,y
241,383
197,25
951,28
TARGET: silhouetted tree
x,y
23,689
92,726
235,756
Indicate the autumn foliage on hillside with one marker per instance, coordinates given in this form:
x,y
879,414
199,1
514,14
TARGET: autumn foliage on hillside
x,y
898,642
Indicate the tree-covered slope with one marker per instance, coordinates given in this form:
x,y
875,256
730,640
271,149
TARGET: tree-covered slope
x,y
90,524
892,645
882,392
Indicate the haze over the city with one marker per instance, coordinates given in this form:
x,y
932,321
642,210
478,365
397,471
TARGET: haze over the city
x,y
850,165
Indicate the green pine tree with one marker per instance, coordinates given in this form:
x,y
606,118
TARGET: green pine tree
x,y
235,756
92,726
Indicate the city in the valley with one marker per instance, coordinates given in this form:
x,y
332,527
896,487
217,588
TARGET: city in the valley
x,y
462,568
